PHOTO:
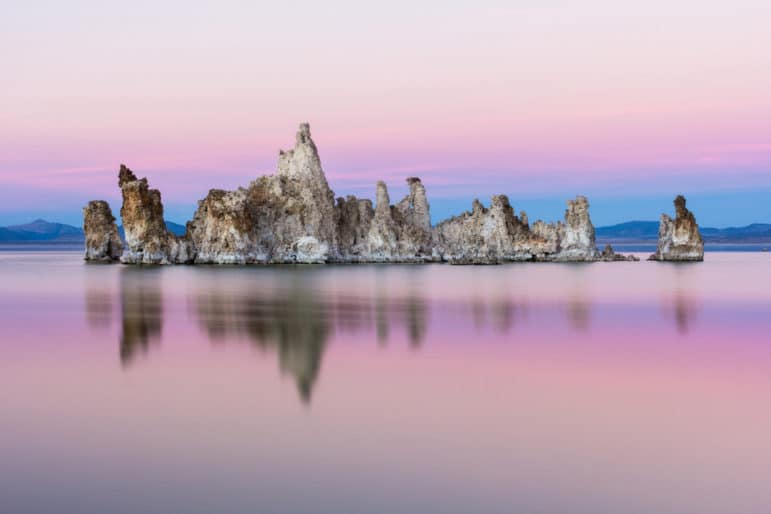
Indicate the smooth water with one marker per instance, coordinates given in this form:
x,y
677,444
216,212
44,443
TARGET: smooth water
x,y
526,388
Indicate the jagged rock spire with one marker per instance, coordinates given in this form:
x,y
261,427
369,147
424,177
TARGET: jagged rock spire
x,y
303,161
147,240
102,239
125,175
382,201
679,239
414,206
578,238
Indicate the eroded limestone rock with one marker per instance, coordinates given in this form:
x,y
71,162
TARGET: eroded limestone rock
x,y
485,236
414,207
292,217
311,192
576,236
494,235
401,232
354,223
382,236
283,218
387,233
679,239
609,255
103,242
147,239
223,229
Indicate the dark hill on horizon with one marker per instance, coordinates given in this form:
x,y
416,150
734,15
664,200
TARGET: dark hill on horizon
x,y
649,230
637,230
42,231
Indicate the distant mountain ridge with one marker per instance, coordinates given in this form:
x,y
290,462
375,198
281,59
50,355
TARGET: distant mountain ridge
x,y
649,231
639,230
42,231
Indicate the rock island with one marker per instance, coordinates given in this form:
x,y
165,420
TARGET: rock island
x,y
293,217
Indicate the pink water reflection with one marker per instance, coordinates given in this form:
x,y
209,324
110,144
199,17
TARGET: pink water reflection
x,y
622,387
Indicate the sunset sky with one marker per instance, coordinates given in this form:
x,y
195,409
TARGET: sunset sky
x,y
627,103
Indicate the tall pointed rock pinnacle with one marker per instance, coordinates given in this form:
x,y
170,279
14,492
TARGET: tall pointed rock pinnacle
x,y
679,238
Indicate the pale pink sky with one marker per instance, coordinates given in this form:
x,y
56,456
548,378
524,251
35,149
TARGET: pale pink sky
x,y
536,99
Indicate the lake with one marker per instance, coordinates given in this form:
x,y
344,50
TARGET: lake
x,y
629,387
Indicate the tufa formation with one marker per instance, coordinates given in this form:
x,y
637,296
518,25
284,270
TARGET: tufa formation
x,y
610,255
679,238
102,239
293,217
147,240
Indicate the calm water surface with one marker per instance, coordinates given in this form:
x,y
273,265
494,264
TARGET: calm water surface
x,y
609,387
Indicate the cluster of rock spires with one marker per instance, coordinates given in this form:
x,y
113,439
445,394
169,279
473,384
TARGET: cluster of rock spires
x,y
292,217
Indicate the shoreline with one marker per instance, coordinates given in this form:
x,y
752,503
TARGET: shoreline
x,y
638,249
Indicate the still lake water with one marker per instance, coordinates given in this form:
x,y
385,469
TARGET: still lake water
x,y
524,388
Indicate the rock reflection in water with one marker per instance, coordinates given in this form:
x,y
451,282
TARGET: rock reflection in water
x,y
295,325
141,311
683,309
679,304
579,312
99,307
298,323
499,314
296,313
503,313
295,316
415,311
381,320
